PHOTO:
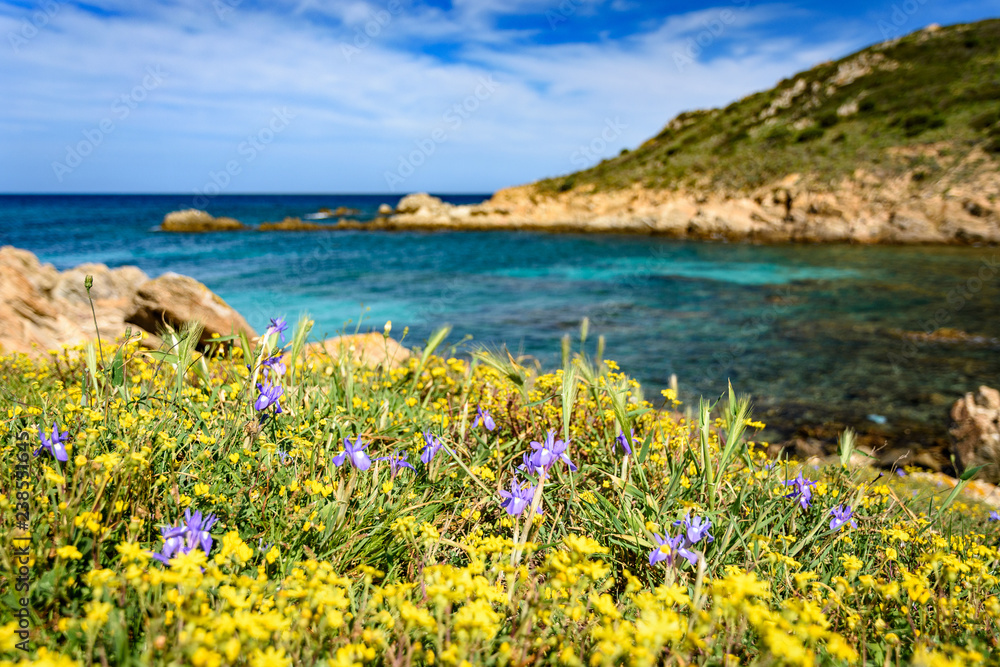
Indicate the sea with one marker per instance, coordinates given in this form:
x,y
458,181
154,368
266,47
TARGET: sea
x,y
828,335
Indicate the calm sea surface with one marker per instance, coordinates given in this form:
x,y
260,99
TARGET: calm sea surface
x,y
813,332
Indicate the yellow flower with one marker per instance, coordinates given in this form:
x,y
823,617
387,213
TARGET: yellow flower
x,y
270,658
69,552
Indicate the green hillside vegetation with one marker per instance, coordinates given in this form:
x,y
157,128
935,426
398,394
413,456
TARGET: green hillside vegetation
x,y
932,86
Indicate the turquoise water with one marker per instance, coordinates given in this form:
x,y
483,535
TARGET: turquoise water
x,y
811,331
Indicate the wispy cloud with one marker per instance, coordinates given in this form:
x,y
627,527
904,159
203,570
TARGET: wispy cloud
x,y
358,111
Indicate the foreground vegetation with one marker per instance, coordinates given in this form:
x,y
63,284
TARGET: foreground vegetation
x,y
265,506
875,110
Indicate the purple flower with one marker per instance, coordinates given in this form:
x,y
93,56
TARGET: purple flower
x,y
801,491
676,546
622,441
900,472
396,463
284,457
274,363
269,395
278,326
518,499
659,554
842,516
994,516
431,448
546,454
695,529
54,444
485,417
355,453
197,530
191,534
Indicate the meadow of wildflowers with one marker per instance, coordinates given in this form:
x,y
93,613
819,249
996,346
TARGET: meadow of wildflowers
x,y
265,505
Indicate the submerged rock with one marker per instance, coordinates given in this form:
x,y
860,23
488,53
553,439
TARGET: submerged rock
x,y
193,220
977,432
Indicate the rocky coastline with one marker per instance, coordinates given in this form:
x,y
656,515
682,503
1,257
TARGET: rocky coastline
x,y
860,210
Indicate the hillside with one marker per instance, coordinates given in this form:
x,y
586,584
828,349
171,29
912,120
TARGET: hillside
x,y
897,143
878,109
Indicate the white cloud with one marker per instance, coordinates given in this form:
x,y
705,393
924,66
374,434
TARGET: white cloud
x,y
356,114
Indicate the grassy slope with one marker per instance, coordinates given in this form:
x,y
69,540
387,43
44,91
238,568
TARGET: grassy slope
x,y
946,88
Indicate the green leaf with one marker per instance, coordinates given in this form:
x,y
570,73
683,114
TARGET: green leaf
x,y
118,369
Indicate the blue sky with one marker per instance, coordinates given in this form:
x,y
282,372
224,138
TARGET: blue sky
x,y
388,95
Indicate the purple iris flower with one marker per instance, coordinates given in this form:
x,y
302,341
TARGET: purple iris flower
x,y
197,530
841,517
518,499
801,490
396,463
547,453
695,530
191,534
54,444
278,326
274,363
431,448
284,457
900,472
485,417
994,516
676,546
623,441
355,454
269,395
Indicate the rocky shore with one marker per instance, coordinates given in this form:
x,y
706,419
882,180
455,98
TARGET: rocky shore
x,y
43,309
862,209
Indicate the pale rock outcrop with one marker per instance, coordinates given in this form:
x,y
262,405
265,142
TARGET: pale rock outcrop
x,y
193,220
977,432
173,300
862,208
43,309
371,349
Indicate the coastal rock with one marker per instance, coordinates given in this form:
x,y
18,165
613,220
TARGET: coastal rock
x,y
371,349
174,300
385,209
193,220
42,309
861,208
292,225
977,432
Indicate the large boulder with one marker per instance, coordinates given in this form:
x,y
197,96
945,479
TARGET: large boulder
x,y
174,300
193,220
42,309
371,349
977,432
